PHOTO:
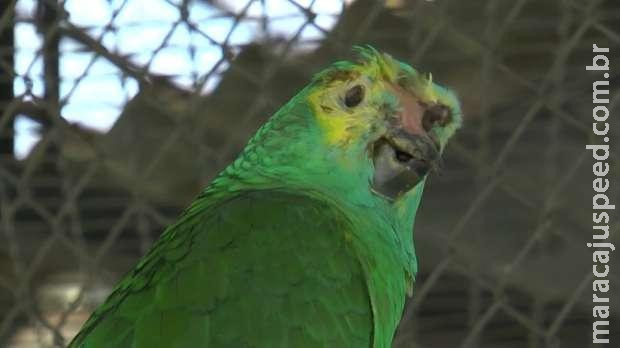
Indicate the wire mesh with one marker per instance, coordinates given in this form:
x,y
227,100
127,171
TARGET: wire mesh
x,y
114,116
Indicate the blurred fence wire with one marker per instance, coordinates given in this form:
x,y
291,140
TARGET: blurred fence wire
x,y
114,114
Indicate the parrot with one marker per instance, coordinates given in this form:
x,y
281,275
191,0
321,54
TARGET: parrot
x,y
306,238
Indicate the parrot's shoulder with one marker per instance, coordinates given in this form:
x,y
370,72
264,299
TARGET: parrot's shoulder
x,y
249,233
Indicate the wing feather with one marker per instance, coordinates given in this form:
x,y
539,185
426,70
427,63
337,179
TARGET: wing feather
x,y
263,269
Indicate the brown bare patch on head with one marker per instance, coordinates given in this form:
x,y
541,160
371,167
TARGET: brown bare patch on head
x,y
326,108
339,75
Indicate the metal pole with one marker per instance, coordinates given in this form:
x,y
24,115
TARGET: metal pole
x,y
7,49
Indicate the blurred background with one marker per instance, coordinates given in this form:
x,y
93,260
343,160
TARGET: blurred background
x,y
115,113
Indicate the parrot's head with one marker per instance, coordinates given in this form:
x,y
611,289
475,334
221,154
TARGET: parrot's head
x,y
387,116
372,129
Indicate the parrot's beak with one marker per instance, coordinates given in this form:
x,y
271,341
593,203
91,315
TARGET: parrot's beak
x,y
409,149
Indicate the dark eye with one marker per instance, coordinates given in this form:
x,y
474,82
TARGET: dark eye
x,y
354,96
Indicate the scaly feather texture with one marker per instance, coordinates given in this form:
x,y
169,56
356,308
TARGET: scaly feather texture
x,y
288,246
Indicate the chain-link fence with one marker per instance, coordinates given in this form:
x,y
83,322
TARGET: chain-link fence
x,y
114,113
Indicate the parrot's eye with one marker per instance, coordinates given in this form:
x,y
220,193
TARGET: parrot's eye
x,y
354,96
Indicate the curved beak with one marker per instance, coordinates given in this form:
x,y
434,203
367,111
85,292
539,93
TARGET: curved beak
x,y
409,150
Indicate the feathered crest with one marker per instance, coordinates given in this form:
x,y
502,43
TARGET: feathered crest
x,y
386,66
369,60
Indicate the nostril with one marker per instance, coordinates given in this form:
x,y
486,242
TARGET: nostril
x,y
435,114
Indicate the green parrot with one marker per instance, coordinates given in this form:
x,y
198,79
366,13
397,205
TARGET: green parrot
x,y
305,240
